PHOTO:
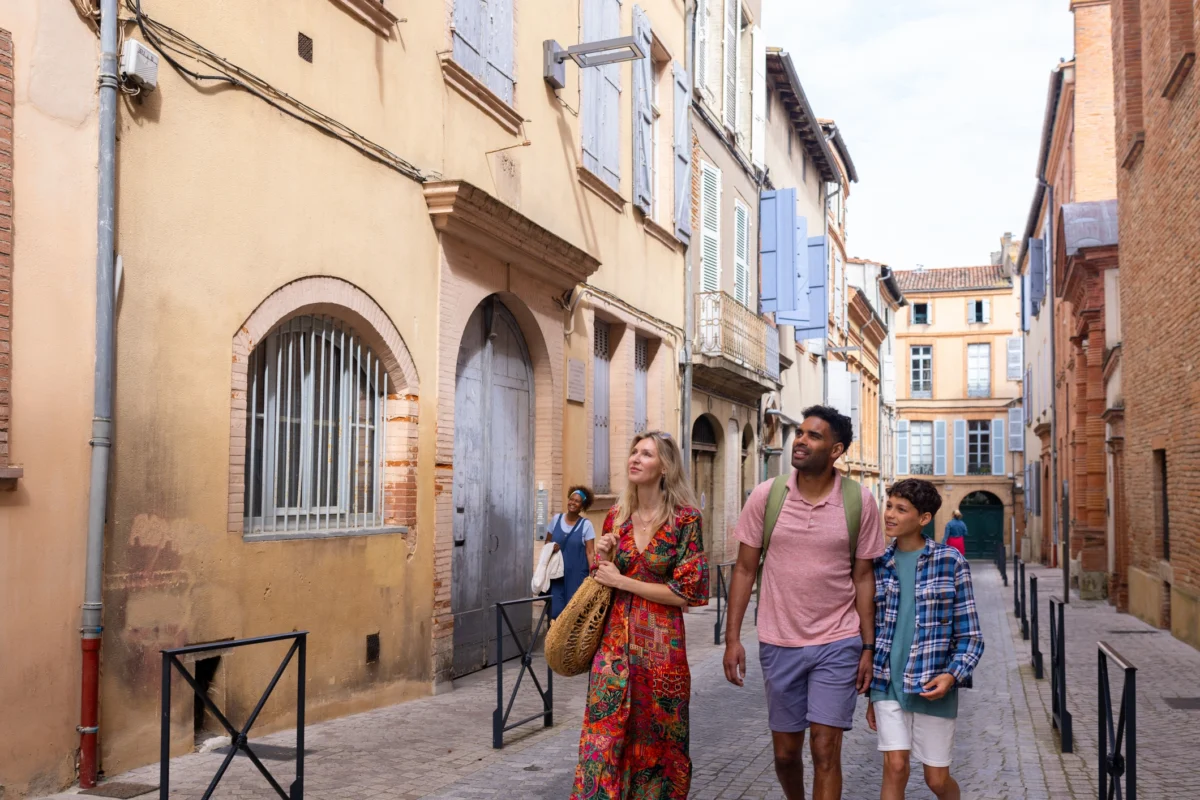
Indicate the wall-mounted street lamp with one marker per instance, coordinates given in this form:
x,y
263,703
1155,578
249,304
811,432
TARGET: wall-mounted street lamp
x,y
589,54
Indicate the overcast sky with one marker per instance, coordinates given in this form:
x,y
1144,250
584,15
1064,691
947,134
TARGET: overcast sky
x,y
940,103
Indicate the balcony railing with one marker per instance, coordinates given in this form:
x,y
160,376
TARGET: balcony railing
x,y
976,390
921,469
727,329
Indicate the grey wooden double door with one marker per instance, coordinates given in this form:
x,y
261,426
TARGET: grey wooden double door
x,y
493,485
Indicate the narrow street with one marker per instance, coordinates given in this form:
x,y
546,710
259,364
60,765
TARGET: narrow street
x,y
441,747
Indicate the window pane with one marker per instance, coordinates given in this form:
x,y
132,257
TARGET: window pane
x,y
921,448
979,447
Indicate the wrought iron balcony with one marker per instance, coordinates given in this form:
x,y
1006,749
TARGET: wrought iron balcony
x,y
921,469
736,349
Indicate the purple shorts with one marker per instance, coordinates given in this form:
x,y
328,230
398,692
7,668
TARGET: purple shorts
x,y
807,685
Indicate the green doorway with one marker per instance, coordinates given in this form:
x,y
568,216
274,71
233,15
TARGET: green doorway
x,y
983,513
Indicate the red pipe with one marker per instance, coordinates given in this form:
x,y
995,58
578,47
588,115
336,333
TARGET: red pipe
x,y
90,713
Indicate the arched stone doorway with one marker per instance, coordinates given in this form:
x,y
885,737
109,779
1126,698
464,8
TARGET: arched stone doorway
x,y
493,482
706,437
983,512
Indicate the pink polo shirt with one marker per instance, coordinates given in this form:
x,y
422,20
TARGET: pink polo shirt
x,y
807,596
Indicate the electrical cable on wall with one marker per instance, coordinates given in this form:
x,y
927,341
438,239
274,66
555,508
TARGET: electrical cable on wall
x,y
155,34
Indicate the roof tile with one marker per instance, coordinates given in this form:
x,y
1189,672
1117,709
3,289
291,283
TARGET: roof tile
x,y
953,279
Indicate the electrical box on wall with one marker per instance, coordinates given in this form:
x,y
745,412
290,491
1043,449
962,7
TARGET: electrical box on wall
x,y
139,65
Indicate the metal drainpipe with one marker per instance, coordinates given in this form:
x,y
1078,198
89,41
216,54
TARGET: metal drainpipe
x,y
828,299
689,310
1064,534
102,413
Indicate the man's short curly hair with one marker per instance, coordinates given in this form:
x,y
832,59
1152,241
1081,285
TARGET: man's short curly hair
x,y
923,495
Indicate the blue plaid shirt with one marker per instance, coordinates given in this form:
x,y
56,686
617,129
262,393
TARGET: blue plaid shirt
x,y
947,638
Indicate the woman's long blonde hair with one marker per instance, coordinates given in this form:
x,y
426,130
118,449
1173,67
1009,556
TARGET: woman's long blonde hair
x,y
676,489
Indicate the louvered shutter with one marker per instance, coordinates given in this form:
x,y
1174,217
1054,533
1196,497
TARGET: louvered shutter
x,y
777,245
1028,393
643,115
732,17
998,442
856,405
470,20
840,387
902,447
1015,358
610,113
741,253
1037,273
710,228
641,369
987,311
960,447
758,99
590,79
1026,308
1016,430
939,447
683,153
500,37
702,56
600,412
889,380
818,312
798,277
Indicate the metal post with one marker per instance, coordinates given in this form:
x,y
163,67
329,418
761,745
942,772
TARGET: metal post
x,y
164,746
1024,607
498,714
301,695
1016,586
717,624
1129,703
1035,651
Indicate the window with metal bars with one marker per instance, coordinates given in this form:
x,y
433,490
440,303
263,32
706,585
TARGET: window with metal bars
x,y
315,431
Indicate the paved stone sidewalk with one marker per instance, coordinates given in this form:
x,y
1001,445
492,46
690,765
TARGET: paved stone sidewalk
x,y
440,747
1167,668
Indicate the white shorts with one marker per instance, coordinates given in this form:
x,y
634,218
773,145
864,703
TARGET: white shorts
x,y
931,739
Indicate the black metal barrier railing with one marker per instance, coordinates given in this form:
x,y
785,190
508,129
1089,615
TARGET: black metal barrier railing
x,y
1002,562
1024,605
1112,764
238,738
500,723
1016,586
1035,650
722,598
1058,674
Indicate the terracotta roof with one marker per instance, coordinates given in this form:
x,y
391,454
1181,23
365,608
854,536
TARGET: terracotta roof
x,y
953,280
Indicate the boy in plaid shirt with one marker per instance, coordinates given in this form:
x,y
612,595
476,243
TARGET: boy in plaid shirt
x,y
927,643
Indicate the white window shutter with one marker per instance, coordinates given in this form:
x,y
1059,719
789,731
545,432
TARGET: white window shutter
x,y
702,55
741,253
1015,358
610,86
939,447
733,14
960,447
500,36
998,448
856,405
902,447
1016,430
840,387
683,153
470,23
758,100
710,228
987,310
970,312
889,379
643,114
590,99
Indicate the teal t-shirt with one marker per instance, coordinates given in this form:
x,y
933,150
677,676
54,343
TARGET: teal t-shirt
x,y
902,642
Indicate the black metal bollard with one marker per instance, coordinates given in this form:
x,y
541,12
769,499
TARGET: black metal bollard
x,y
1058,674
722,595
1035,651
1002,562
1112,764
1016,588
1024,607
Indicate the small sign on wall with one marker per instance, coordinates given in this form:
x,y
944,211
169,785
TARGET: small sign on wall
x,y
541,512
576,381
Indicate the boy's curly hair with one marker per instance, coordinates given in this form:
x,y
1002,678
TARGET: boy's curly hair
x,y
923,495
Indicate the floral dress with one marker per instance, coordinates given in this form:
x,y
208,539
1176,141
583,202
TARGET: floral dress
x,y
634,744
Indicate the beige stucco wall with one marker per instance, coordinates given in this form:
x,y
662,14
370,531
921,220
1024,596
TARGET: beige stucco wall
x,y
43,522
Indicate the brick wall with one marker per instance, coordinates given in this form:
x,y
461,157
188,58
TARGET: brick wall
x,y
6,236
1160,262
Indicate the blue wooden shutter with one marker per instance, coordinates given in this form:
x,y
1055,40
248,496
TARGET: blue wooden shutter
x,y
902,447
1016,430
643,115
470,21
960,447
998,447
683,154
1026,307
939,447
798,277
777,250
610,88
641,368
500,36
1037,272
589,89
600,412
818,312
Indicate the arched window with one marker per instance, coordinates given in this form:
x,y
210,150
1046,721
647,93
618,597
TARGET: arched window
x,y
315,430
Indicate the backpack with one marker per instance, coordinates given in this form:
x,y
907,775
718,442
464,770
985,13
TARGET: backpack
x,y
851,504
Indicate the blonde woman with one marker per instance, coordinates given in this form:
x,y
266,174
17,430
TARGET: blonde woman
x,y
634,744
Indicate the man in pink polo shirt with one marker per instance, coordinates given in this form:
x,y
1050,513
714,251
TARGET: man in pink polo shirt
x,y
816,616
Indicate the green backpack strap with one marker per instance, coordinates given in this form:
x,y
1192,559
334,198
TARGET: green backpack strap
x,y
779,492
852,505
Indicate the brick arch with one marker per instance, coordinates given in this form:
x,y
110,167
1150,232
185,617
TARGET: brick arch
x,y
334,297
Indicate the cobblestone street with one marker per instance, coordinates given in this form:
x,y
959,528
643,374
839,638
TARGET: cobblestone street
x,y
440,747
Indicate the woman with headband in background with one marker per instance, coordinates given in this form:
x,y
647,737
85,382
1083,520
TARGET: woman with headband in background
x,y
575,538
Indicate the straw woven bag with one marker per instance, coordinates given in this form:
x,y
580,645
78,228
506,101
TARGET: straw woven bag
x,y
574,638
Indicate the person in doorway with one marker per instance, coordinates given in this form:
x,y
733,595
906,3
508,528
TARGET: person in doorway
x,y
634,744
816,614
574,537
956,533
927,644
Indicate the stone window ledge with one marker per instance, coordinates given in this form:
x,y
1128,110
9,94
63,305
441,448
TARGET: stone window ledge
x,y
1179,74
1137,143
596,184
283,536
9,477
662,234
479,95
372,13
